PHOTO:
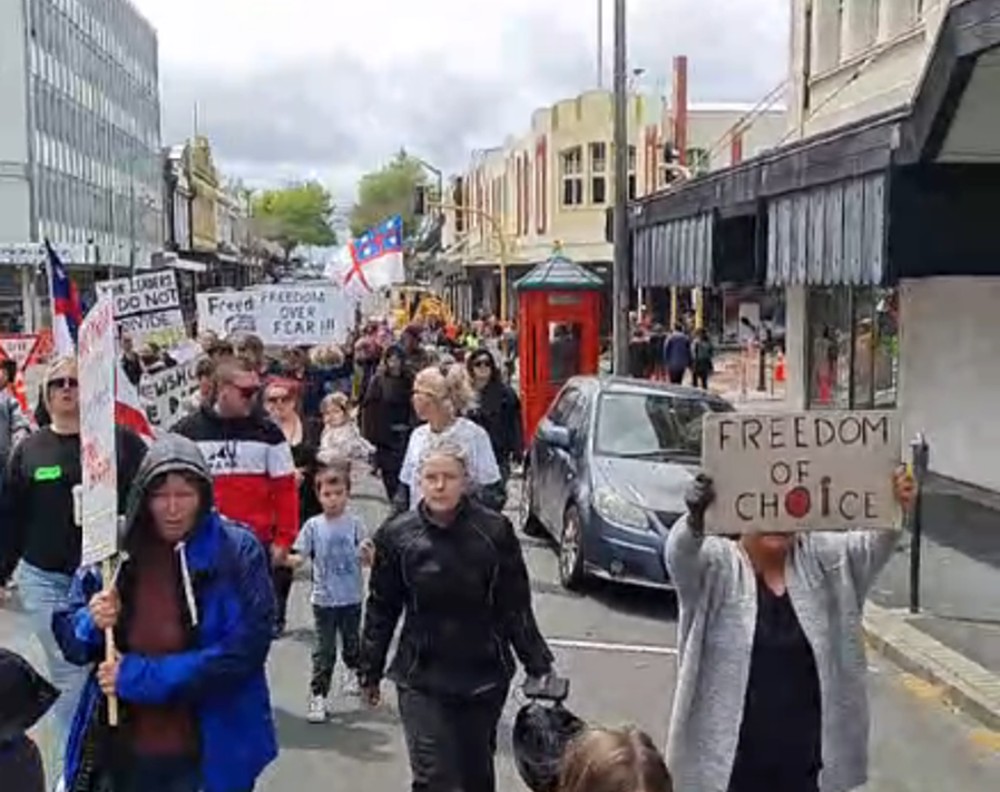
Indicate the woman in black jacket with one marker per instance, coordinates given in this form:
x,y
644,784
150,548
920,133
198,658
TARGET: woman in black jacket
x,y
497,410
387,416
457,570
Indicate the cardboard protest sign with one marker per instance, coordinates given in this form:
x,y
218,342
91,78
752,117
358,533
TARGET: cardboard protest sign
x,y
147,307
303,314
164,392
227,313
814,471
99,502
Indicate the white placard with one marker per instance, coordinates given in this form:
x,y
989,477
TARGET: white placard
x,y
810,471
163,393
99,498
303,314
293,314
147,307
227,313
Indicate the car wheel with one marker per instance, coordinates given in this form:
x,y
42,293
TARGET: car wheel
x,y
571,572
530,524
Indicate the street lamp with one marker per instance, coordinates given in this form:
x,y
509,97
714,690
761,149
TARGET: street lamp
x,y
620,273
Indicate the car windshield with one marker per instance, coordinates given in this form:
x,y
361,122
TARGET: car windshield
x,y
654,425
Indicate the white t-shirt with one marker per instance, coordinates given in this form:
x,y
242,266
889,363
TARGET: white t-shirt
x,y
466,434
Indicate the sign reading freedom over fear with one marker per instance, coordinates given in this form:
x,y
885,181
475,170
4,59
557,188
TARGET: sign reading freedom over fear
x,y
814,471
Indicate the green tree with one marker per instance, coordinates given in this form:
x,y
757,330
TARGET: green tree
x,y
388,191
298,214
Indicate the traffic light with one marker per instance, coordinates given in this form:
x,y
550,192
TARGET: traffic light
x,y
420,200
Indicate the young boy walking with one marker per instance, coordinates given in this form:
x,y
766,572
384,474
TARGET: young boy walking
x,y
335,543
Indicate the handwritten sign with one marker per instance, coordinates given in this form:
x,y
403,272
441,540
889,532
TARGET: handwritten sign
x,y
291,314
814,471
99,498
164,392
227,313
147,307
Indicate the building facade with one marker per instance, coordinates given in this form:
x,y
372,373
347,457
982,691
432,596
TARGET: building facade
x,y
80,138
875,218
554,183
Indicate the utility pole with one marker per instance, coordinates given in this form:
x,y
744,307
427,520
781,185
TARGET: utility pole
x,y
620,271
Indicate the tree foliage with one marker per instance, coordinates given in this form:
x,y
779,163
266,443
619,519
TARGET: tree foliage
x,y
388,191
298,214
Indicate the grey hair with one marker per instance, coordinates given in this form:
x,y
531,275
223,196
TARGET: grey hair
x,y
446,447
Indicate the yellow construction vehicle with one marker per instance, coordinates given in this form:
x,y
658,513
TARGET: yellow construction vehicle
x,y
417,303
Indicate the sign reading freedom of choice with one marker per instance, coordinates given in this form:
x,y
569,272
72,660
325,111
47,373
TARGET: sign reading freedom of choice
x,y
814,471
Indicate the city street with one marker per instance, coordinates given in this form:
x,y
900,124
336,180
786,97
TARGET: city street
x,y
617,646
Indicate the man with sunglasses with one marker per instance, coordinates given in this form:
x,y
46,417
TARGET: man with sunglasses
x,y
39,534
250,459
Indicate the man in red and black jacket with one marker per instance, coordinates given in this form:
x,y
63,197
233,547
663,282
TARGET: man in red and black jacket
x,y
250,459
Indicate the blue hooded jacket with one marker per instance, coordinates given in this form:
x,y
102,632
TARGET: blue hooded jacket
x,y
229,613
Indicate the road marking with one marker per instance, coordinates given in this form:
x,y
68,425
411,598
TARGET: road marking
x,y
986,739
921,689
600,646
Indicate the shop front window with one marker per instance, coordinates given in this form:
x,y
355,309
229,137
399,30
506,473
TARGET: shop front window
x,y
853,348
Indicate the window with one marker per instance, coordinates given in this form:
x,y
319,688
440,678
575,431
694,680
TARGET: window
x,y
541,185
598,173
853,349
572,176
631,173
699,160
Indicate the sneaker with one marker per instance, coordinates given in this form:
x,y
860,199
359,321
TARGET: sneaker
x,y
349,685
317,710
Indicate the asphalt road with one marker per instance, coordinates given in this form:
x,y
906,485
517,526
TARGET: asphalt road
x,y
617,646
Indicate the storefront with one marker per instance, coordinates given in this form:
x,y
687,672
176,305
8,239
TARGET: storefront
x,y
882,236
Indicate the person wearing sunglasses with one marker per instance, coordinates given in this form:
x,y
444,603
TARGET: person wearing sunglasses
x,y
497,409
249,456
39,534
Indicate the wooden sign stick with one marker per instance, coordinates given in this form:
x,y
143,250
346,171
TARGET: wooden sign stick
x,y
108,573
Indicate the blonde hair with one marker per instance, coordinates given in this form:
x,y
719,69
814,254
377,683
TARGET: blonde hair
x,y
337,399
326,356
449,386
614,760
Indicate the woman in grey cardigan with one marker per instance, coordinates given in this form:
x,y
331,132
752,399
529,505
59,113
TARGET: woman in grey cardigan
x,y
771,693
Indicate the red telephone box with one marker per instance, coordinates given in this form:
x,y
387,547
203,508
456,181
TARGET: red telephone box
x,y
558,320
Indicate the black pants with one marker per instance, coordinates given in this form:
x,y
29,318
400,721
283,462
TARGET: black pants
x,y
330,623
676,377
281,579
700,377
390,462
451,742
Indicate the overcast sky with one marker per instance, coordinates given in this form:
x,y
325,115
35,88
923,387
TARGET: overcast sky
x,y
289,89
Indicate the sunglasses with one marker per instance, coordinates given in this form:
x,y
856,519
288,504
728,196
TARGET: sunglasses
x,y
483,363
279,399
64,383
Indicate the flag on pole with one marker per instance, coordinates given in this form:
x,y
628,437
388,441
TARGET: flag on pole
x,y
129,411
377,257
67,313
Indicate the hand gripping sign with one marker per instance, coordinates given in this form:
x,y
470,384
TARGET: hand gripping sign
x,y
813,471
98,494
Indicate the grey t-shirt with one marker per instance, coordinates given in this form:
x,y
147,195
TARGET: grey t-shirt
x,y
334,546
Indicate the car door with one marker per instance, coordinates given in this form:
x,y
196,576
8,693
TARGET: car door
x,y
548,469
567,463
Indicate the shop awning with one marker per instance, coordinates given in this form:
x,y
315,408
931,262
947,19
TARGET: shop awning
x,y
675,253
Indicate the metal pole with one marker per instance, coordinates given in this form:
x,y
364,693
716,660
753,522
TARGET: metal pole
x,y
600,43
919,463
620,274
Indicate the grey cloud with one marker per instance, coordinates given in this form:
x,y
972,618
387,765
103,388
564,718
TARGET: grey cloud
x,y
338,116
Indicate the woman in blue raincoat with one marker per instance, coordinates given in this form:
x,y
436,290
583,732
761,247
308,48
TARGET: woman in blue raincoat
x,y
192,609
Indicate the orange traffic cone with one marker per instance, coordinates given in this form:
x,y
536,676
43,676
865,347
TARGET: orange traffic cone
x,y
779,368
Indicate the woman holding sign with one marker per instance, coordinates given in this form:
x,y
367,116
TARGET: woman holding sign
x,y
771,686
192,609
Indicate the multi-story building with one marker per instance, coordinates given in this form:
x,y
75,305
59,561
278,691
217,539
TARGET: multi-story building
x,y
876,218
554,184
80,131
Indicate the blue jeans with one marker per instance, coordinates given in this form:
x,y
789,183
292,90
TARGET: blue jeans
x,y
42,593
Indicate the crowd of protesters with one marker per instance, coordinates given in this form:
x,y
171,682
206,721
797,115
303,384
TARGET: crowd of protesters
x,y
256,481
